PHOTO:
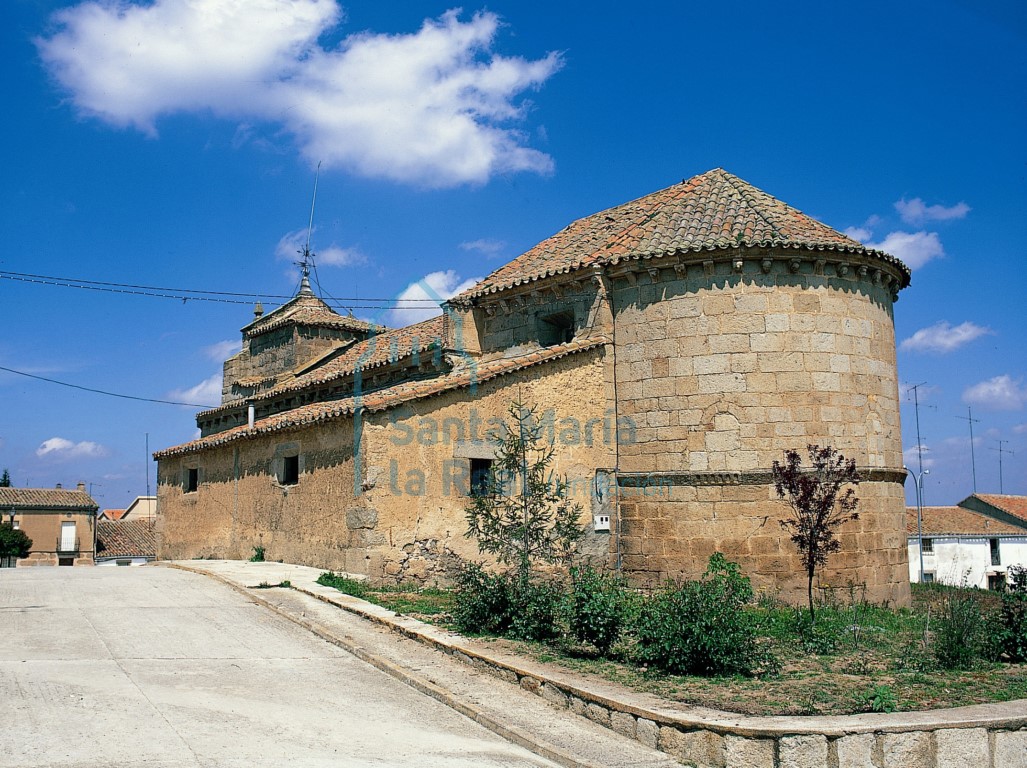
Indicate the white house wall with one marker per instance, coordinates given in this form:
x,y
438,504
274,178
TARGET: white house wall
x,y
966,560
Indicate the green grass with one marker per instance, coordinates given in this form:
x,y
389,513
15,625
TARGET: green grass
x,y
870,658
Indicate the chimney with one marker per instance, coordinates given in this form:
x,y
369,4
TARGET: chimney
x,y
258,311
82,487
58,486
250,415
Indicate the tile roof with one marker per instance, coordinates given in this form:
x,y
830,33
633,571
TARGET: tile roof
x,y
389,397
958,521
305,309
126,538
112,514
45,498
1013,505
712,211
378,350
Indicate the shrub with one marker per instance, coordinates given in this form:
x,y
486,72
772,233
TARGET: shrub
x,y
703,627
484,601
818,637
535,609
258,555
961,636
1012,633
598,608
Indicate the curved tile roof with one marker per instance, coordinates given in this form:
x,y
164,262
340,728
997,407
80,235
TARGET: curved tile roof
x,y
389,397
305,309
45,498
712,211
378,350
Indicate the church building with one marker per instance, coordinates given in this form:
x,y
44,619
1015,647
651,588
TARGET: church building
x,y
673,348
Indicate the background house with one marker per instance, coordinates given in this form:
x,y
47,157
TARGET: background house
x,y
61,523
126,542
971,544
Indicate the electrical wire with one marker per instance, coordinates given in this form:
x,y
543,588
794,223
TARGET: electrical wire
x,y
193,294
103,392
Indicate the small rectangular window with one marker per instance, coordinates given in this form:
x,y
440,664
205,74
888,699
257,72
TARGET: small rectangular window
x,y
192,480
556,329
480,476
996,558
997,582
290,470
928,577
928,546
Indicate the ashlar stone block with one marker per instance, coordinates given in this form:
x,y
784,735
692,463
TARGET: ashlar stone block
x,y
962,747
808,751
740,752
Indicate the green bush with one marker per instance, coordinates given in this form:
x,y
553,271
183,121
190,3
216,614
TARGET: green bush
x,y
880,698
599,607
258,555
820,637
1012,634
703,627
961,636
483,601
535,610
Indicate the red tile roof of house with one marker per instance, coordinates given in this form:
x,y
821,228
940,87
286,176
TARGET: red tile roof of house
x,y
46,498
113,514
388,397
712,211
126,538
957,521
1013,505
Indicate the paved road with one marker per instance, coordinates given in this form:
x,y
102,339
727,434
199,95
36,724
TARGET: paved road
x,y
156,667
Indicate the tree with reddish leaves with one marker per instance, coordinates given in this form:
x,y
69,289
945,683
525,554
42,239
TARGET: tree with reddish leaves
x,y
819,504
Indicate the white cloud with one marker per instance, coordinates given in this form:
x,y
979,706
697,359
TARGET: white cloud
x,y
911,457
291,247
1020,429
62,448
207,393
435,286
431,108
916,211
222,350
942,337
488,248
1001,393
914,249
859,234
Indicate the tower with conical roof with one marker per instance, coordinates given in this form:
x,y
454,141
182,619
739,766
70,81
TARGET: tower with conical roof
x,y
738,328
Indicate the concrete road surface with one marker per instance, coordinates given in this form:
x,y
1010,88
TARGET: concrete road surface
x,y
156,667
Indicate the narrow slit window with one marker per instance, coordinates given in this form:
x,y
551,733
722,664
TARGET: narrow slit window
x,y
290,470
996,558
480,473
192,480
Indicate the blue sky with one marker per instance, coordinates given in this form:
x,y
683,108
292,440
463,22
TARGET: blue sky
x,y
173,143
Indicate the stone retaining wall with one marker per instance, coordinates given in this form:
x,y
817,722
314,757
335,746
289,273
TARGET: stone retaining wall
x,y
980,736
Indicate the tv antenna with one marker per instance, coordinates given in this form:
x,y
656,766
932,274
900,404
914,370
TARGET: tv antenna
x,y
973,465
1001,450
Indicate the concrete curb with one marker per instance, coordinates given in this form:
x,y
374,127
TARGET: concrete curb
x,y
511,734
716,738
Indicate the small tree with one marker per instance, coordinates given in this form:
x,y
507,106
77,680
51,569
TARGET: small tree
x,y
14,543
818,504
522,513
5,479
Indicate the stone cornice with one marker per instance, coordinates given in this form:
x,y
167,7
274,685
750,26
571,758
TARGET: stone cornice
x,y
745,477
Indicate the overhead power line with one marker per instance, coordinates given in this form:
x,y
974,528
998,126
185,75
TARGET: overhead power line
x,y
195,294
103,392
